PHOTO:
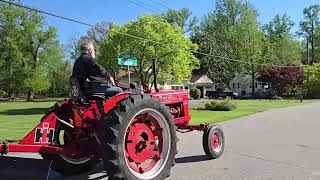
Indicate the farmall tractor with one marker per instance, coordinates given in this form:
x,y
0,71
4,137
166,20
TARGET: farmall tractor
x,y
132,133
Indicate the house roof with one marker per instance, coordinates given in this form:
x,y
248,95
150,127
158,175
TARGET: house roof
x,y
200,79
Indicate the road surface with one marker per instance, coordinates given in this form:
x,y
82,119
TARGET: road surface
x,y
279,144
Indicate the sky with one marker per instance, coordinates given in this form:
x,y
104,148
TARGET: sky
x,y
122,11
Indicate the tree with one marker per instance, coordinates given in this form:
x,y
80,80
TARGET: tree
x,y
23,38
58,70
282,79
309,25
279,27
312,80
96,34
172,53
249,32
99,31
280,47
181,18
230,32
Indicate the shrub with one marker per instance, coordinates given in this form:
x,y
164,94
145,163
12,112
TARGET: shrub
x,y
225,105
195,93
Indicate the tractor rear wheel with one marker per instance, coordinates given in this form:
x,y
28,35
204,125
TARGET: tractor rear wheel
x,y
138,140
213,141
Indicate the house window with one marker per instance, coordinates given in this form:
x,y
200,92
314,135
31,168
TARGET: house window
x,y
233,85
256,85
238,85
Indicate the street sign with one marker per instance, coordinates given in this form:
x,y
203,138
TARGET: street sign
x,y
128,62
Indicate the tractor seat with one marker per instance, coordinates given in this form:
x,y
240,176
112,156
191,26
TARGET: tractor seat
x,y
96,96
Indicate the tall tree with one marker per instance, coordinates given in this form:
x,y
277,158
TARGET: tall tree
x,y
230,32
96,34
281,48
181,18
23,38
309,25
173,54
250,35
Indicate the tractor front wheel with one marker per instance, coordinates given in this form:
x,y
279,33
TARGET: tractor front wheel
x,y
213,141
138,140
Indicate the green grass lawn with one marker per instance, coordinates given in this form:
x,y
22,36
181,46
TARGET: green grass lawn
x,y
198,117
18,118
244,108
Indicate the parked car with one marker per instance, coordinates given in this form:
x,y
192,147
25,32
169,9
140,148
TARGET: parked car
x,y
221,93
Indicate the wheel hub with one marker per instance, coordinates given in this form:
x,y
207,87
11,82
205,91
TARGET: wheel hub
x,y
215,142
144,144
140,143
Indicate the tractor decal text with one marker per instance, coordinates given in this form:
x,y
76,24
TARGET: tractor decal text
x,y
44,134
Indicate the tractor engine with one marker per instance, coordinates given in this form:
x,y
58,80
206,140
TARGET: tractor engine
x,y
176,110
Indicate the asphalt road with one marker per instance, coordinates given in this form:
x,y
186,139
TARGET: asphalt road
x,y
278,144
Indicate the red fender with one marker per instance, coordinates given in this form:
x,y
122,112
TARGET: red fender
x,y
113,101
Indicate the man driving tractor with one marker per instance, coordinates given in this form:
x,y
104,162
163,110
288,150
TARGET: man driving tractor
x,y
90,75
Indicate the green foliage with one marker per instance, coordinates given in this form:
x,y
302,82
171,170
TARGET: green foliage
x,y
182,19
308,28
281,48
57,69
224,105
195,93
172,54
23,37
312,80
39,81
231,31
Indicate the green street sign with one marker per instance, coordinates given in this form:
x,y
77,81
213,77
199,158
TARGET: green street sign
x,y
128,62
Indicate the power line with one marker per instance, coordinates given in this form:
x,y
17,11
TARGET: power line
x,y
152,10
160,4
47,13
149,5
141,38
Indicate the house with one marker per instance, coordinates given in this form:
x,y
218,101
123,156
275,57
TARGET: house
x,y
202,82
242,84
124,77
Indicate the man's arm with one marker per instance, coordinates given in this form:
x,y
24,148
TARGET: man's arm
x,y
112,81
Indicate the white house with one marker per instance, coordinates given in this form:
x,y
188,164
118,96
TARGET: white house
x,y
242,84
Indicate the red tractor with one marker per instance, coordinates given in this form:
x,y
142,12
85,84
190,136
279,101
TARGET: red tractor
x,y
133,134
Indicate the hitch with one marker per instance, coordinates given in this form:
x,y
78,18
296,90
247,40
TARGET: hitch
x,y
4,149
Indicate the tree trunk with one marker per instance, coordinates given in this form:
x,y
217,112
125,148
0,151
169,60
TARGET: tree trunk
x,y
253,82
29,96
312,43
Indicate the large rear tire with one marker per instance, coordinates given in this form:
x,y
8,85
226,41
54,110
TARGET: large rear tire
x,y
138,140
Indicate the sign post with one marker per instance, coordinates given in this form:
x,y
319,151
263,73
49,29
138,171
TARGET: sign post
x,y
128,60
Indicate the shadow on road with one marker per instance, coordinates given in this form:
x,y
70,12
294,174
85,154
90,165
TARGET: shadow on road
x,y
190,159
17,168
30,111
